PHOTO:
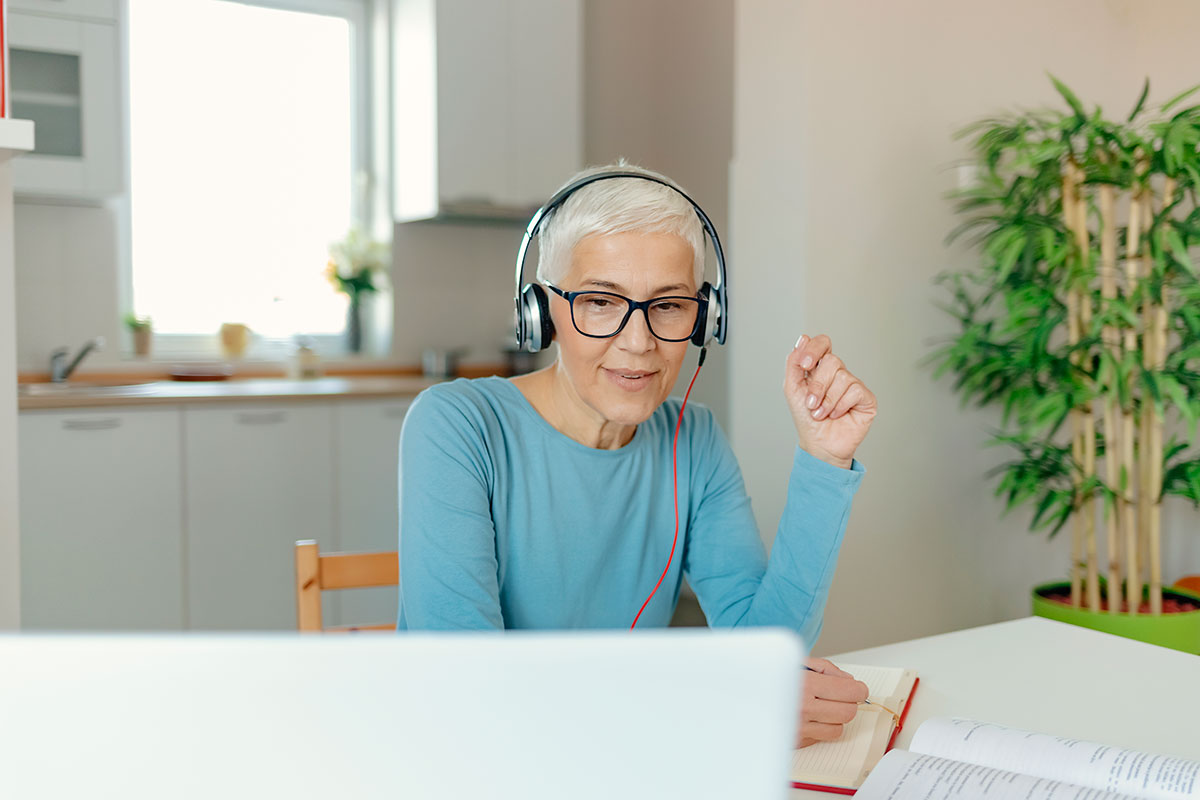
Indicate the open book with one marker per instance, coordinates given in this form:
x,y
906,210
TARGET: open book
x,y
962,758
842,765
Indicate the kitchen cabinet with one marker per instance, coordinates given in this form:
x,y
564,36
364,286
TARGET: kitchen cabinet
x,y
181,516
65,76
101,510
257,478
105,10
367,433
488,105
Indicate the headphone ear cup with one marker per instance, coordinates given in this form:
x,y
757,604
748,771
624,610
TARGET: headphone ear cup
x,y
535,318
708,316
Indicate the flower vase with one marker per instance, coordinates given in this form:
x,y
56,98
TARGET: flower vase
x,y
354,327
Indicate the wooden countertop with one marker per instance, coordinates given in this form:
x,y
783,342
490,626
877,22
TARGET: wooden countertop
x,y
83,394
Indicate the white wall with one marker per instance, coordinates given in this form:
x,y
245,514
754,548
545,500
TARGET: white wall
x,y
843,124
10,538
67,282
659,91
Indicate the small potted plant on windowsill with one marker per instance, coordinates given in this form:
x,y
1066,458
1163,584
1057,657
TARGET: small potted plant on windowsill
x,y
1083,324
142,329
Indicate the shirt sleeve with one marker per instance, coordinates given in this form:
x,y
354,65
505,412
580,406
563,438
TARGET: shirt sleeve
x,y
448,566
725,560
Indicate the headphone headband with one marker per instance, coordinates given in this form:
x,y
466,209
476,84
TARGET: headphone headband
x,y
718,324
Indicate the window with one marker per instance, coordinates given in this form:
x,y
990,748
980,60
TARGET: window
x,y
247,136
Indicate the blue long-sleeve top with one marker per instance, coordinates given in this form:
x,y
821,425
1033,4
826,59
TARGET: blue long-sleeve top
x,y
505,522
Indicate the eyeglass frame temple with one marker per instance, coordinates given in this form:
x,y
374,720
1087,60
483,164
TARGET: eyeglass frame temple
x,y
634,305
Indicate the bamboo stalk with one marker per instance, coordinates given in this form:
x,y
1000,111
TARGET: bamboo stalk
x,y
1089,412
1146,423
1078,534
1112,342
1085,428
1133,241
1156,474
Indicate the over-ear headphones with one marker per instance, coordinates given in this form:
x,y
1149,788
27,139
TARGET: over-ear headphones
x,y
534,328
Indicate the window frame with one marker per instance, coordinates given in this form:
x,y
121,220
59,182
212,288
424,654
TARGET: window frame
x,y
367,121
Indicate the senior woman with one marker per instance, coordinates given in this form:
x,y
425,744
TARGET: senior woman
x,y
546,500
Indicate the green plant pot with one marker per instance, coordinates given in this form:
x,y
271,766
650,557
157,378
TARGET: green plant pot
x,y
1178,631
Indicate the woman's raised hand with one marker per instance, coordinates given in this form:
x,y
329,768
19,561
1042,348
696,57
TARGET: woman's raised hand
x,y
831,408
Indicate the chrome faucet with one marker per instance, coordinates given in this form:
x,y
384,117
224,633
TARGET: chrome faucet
x,y
60,370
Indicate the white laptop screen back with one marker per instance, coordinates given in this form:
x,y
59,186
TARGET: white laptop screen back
x,y
687,714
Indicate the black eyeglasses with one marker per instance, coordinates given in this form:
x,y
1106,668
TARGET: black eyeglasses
x,y
602,315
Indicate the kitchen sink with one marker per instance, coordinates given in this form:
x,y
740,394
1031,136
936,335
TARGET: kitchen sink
x,y
84,387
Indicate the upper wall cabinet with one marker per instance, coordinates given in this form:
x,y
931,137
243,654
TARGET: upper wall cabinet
x,y
488,111
84,9
65,76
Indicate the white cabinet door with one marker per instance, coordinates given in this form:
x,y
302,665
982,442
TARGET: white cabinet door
x,y
258,478
544,113
488,104
65,76
368,436
101,520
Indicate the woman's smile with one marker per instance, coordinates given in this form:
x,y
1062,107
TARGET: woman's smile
x,y
631,380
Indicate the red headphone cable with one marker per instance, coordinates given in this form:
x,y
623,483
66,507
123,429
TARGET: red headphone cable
x,y
675,483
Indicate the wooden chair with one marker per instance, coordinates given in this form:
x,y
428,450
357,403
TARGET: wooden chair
x,y
317,572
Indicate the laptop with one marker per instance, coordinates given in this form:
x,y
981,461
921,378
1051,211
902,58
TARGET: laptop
x,y
668,714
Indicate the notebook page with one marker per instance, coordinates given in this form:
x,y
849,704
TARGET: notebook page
x,y
903,775
1114,769
841,762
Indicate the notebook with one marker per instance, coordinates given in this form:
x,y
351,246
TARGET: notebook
x,y
841,766
962,758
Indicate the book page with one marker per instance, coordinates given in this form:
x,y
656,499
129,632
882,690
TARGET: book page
x,y
845,762
1114,769
902,775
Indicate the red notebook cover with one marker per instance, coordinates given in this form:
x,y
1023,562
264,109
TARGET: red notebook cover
x,y
891,743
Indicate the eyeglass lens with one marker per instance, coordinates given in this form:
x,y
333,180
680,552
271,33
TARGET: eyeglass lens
x,y
601,314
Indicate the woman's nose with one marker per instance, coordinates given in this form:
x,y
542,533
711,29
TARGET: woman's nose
x,y
636,336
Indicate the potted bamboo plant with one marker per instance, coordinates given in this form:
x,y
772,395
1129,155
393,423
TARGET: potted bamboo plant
x,y
1081,323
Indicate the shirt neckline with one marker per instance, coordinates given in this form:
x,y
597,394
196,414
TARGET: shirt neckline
x,y
555,435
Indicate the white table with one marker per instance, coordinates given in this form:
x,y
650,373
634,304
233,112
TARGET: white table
x,y
1050,677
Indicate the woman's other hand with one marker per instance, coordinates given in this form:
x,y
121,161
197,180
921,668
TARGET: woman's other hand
x,y
831,408
829,699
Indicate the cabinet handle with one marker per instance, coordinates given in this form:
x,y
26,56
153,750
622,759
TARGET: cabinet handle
x,y
261,417
106,424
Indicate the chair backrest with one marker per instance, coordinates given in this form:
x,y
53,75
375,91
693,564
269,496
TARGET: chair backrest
x,y
317,572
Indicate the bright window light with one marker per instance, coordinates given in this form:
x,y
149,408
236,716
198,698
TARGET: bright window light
x,y
241,165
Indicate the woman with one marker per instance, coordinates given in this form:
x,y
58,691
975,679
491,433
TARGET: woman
x,y
547,500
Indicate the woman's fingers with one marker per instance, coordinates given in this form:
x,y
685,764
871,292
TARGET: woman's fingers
x,y
830,712
808,352
820,379
842,381
834,687
814,732
828,702
825,667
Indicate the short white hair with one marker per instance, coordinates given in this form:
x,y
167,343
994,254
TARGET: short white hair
x,y
617,205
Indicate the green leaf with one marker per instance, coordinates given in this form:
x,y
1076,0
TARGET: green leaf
x,y
1141,101
1179,250
1180,97
1070,97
